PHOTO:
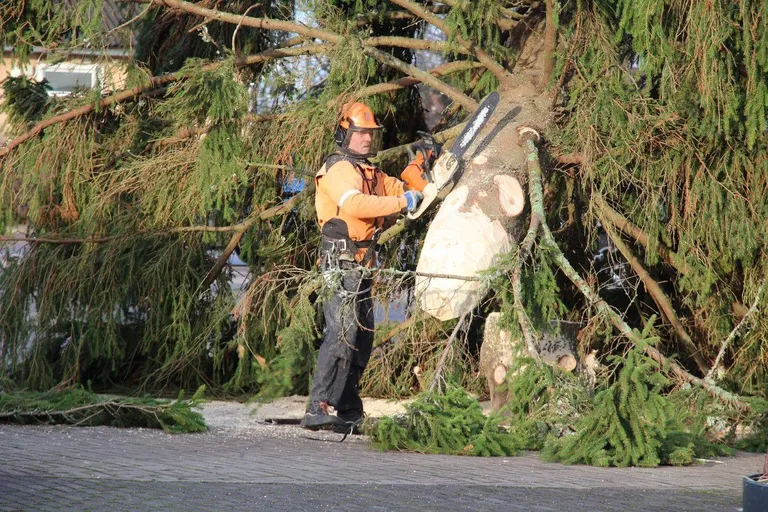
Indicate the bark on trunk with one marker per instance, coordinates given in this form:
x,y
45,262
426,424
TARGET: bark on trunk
x,y
497,354
500,351
485,214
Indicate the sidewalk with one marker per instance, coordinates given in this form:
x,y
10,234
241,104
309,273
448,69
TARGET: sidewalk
x,y
281,467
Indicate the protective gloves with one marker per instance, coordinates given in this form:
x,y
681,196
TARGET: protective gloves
x,y
423,154
413,199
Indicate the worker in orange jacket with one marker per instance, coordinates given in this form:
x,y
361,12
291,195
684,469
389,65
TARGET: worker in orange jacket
x,y
353,198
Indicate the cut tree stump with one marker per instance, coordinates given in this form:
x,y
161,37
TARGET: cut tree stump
x,y
500,349
497,354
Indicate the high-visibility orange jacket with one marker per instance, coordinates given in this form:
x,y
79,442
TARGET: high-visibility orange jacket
x,y
358,193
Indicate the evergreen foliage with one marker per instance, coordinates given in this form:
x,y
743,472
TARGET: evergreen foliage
x,y
450,423
632,423
289,372
543,401
25,24
26,100
475,21
79,406
665,102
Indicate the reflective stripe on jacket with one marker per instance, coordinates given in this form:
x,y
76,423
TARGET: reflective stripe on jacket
x,y
358,193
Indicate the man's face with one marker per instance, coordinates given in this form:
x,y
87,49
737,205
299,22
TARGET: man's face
x,y
360,141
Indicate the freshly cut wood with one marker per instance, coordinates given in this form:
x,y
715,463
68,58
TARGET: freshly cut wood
x,y
500,350
499,374
461,241
483,216
511,195
497,354
589,368
559,349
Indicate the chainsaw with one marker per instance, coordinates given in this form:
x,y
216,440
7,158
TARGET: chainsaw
x,y
446,168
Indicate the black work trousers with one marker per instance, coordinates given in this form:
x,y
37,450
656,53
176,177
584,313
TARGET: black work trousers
x,y
347,343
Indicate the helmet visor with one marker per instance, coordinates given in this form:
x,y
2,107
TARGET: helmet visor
x,y
364,142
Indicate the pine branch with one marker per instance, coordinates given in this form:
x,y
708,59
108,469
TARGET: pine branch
x,y
303,30
221,262
489,62
631,335
237,29
450,91
431,275
437,376
734,333
658,295
326,35
243,226
537,218
106,405
527,139
631,230
413,44
314,49
152,83
673,259
77,407
248,21
441,70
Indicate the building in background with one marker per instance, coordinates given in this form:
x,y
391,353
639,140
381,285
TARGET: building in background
x,y
69,70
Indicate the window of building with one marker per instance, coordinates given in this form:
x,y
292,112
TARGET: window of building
x,y
65,77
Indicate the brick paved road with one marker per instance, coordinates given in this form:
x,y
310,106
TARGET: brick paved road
x,y
276,468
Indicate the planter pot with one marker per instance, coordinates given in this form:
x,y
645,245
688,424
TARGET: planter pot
x,y
755,495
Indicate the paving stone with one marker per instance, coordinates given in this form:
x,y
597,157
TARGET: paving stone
x,y
284,468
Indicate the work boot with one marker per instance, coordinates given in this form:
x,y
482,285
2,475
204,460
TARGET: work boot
x,y
317,417
350,422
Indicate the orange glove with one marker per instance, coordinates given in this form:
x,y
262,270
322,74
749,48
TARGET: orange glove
x,y
413,174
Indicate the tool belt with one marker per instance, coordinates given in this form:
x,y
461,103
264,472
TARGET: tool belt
x,y
338,250
340,253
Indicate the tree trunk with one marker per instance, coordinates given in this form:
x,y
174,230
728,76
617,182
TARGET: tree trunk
x,y
485,214
497,355
500,350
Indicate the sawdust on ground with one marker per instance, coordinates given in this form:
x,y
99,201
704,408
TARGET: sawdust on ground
x,y
280,417
236,417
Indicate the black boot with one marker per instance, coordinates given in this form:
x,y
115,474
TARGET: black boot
x,y
317,417
350,422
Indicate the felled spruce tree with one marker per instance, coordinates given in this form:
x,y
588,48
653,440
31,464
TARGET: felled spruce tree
x,y
130,197
448,423
632,423
79,406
